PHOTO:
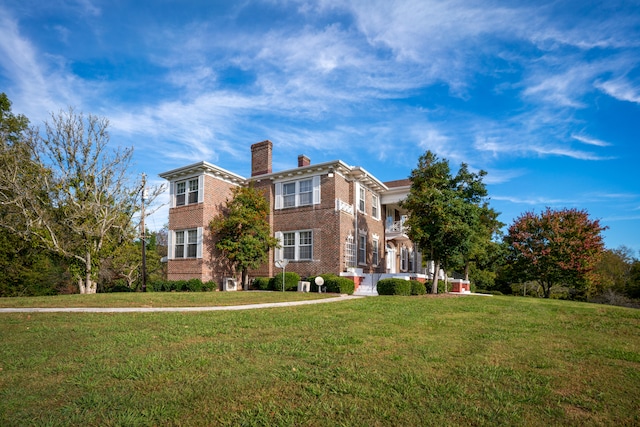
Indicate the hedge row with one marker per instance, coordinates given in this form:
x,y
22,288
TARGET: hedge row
x,y
400,287
192,285
332,283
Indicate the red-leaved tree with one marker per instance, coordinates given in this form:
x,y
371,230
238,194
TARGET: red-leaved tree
x,y
555,248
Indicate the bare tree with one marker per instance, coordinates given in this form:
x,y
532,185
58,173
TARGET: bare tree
x,y
82,198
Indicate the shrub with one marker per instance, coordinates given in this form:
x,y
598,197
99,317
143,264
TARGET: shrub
x,y
394,287
333,283
260,283
417,288
290,282
191,285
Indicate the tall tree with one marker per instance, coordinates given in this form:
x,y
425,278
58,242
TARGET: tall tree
x,y
242,230
555,247
444,210
81,196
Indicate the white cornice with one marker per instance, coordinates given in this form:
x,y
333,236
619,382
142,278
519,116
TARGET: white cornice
x,y
206,168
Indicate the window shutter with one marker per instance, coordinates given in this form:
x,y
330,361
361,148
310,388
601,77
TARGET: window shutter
x,y
170,248
279,254
199,241
278,195
172,194
316,190
356,192
200,189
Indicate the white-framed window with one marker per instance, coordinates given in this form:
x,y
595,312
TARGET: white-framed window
x,y
375,244
404,258
362,249
303,192
350,252
185,243
375,206
362,194
187,192
295,245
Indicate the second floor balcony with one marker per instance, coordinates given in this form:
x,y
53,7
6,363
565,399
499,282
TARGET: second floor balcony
x,y
396,230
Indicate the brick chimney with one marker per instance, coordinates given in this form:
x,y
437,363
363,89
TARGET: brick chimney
x,y
261,153
303,160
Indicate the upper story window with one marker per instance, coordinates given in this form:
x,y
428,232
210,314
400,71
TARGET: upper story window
x,y
375,206
362,193
187,192
302,192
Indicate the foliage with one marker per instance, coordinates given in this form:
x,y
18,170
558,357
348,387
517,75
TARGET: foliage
x,y
445,211
260,283
417,288
72,195
242,231
191,285
556,247
333,283
291,280
633,287
394,286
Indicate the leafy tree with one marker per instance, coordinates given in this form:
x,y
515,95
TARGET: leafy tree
x,y
79,199
444,210
613,270
633,286
243,232
555,247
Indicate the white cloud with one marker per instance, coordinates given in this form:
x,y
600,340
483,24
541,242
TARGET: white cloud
x,y
621,89
590,141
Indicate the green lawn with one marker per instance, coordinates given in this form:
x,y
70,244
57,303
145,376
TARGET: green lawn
x,y
375,361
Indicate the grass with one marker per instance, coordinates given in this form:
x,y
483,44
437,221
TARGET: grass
x,y
159,299
375,361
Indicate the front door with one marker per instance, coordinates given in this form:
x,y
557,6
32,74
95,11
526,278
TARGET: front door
x,y
391,260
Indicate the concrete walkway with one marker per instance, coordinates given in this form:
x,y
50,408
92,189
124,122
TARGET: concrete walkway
x,y
172,309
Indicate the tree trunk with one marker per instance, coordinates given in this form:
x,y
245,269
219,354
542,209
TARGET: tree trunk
x,y
436,271
87,286
466,270
245,282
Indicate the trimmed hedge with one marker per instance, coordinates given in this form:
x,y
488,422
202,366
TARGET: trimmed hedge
x,y
417,288
394,287
290,282
260,283
192,285
333,284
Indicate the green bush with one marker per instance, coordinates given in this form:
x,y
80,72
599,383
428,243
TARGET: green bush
x,y
394,287
417,288
290,282
191,285
333,284
260,283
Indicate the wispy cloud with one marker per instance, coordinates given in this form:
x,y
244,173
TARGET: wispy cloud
x,y
621,89
590,141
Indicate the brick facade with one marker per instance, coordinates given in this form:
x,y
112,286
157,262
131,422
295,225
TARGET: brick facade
x,y
331,219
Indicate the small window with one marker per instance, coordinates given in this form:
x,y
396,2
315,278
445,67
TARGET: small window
x,y
180,193
306,245
376,257
179,244
306,192
193,191
362,249
289,194
375,207
192,244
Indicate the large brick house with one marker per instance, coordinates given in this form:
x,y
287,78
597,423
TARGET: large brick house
x,y
329,218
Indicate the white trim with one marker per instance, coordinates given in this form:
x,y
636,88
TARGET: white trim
x,y
170,248
278,195
199,243
201,189
316,190
279,252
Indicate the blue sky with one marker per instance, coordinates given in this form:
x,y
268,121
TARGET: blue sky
x,y
544,96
